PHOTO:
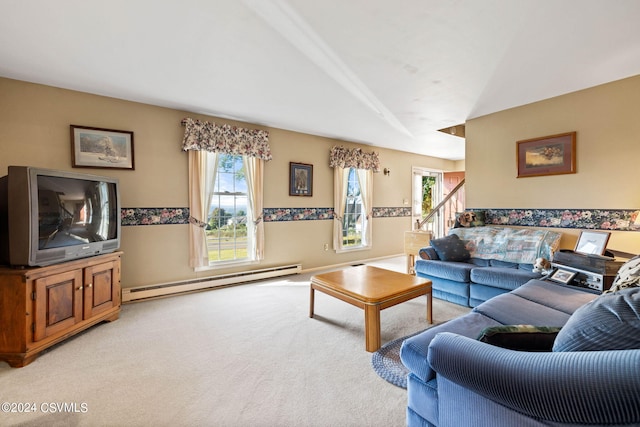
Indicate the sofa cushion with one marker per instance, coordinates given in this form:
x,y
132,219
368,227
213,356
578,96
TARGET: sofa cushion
x,y
504,278
510,309
480,293
450,248
609,322
456,271
562,298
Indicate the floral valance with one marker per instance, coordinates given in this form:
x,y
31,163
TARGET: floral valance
x,y
353,158
208,136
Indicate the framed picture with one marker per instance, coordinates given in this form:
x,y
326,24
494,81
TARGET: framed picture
x,y
101,148
549,155
300,179
592,242
563,276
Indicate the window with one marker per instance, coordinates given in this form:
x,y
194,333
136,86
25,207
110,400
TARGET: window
x,y
353,218
226,175
352,204
226,231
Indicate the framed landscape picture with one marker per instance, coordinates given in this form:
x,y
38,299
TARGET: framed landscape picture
x,y
549,155
300,179
101,148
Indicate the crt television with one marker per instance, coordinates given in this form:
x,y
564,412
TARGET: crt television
x,y
48,216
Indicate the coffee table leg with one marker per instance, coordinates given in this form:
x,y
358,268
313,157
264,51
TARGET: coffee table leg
x,y
429,309
372,327
311,296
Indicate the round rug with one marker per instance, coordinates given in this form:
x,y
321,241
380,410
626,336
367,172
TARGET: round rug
x,y
387,364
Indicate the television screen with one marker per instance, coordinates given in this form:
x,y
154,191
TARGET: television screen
x,y
75,211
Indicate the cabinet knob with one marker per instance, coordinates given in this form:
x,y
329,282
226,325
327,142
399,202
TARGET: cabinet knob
x,y
79,288
90,285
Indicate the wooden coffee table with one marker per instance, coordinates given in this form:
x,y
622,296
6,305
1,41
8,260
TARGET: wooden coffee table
x,y
372,289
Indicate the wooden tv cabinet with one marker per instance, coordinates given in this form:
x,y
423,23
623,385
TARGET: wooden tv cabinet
x,y
42,306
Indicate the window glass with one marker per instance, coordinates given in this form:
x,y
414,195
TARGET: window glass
x,y
227,222
353,220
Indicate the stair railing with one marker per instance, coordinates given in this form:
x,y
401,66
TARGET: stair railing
x,y
436,210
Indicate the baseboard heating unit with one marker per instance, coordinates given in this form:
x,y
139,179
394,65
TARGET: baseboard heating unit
x,y
166,289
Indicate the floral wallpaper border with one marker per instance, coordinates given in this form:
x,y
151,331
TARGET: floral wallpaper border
x,y
153,216
165,216
589,219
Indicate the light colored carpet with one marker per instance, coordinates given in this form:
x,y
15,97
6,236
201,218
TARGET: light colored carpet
x,y
242,356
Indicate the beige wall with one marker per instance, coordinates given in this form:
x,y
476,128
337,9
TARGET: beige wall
x,y
608,148
34,131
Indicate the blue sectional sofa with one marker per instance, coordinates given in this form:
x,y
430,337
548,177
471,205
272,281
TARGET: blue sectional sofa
x,y
472,265
475,371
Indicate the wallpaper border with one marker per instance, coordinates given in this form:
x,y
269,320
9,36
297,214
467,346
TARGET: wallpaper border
x,y
589,219
168,216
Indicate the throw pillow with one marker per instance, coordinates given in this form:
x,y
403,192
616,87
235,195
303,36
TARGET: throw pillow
x,y
609,322
628,276
450,248
520,337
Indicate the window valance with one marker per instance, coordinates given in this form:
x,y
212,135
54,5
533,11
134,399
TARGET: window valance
x,y
353,158
208,136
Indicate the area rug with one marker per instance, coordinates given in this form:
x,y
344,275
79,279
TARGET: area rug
x,y
387,364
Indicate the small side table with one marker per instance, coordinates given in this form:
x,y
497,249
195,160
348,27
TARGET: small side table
x,y
413,242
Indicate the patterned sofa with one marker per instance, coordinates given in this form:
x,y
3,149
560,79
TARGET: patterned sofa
x,y
472,265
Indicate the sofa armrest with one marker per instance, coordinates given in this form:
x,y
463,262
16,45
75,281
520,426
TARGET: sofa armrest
x,y
428,253
597,387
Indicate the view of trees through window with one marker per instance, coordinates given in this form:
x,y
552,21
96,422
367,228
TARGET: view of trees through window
x,y
227,222
353,220
428,185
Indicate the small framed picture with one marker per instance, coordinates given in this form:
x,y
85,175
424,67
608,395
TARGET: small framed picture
x,y
101,148
592,242
563,276
300,179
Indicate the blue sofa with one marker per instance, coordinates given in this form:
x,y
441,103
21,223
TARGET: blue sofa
x,y
474,370
472,265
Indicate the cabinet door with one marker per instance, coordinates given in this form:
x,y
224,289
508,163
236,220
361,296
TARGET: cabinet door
x,y
102,288
58,303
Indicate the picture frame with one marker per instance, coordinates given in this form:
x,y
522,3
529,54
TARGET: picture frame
x,y
101,148
549,155
592,242
300,179
563,276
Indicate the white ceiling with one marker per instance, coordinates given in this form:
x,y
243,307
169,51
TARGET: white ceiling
x,y
383,72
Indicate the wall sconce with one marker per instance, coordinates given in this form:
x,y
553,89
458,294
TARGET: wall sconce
x,y
386,171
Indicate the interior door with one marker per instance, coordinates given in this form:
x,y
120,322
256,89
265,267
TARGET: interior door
x,y
456,203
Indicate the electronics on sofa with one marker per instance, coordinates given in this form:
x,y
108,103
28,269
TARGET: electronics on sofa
x,y
49,216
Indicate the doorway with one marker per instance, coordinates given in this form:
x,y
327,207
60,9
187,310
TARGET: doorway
x,y
429,189
427,192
